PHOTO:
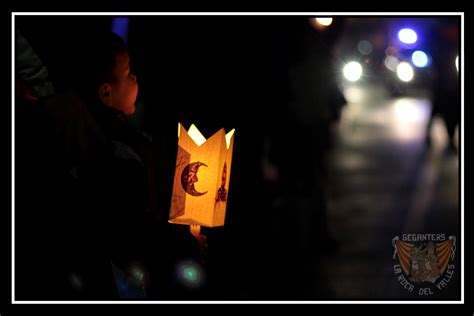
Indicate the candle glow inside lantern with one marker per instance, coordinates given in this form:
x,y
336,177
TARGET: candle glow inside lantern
x,y
201,181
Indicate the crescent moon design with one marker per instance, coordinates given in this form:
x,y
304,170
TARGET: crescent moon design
x,y
189,177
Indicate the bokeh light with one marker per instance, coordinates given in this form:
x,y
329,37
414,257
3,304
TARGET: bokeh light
x,y
364,47
76,281
391,63
353,94
409,118
324,21
405,71
419,59
392,50
352,71
407,36
190,274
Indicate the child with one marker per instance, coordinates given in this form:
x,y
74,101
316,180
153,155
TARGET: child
x,y
105,74
107,177
116,181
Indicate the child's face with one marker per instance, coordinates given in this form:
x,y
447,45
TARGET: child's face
x,y
125,89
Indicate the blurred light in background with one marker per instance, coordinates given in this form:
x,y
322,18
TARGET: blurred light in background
x,y
120,27
352,71
407,36
353,94
419,59
324,21
391,63
409,118
439,135
76,281
405,71
190,274
457,63
379,40
364,47
391,51
409,110
138,274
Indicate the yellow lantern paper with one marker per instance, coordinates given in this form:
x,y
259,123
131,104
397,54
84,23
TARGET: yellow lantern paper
x,y
201,181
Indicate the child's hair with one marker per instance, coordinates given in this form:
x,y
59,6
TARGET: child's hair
x,y
97,63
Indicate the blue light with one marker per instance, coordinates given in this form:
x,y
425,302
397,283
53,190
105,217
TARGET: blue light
x,y
419,59
407,36
120,27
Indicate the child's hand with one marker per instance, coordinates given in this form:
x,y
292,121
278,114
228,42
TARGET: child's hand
x,y
195,231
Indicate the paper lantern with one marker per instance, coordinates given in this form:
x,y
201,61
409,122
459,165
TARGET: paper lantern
x,y
201,181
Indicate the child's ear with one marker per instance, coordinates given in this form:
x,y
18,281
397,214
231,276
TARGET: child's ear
x,y
105,94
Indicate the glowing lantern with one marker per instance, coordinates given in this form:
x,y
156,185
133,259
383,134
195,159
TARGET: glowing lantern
x,y
201,181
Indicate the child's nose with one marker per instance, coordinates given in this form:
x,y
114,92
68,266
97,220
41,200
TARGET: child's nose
x,y
134,77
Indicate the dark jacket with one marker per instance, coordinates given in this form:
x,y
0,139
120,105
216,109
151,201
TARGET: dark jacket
x,y
119,196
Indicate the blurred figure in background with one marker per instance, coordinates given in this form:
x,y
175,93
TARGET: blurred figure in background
x,y
446,89
34,248
32,78
299,151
